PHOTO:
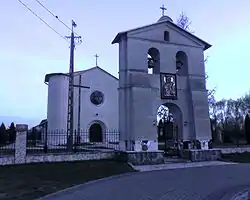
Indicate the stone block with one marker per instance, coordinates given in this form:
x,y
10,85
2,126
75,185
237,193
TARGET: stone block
x,y
142,157
196,155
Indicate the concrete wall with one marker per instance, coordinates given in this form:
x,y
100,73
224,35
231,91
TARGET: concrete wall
x,y
20,156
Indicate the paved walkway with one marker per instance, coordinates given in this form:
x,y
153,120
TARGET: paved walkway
x,y
145,168
197,183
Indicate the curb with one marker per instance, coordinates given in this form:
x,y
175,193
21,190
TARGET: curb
x,y
228,193
246,192
89,183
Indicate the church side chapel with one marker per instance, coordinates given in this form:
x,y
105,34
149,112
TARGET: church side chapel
x,y
159,101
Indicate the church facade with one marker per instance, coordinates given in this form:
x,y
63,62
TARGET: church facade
x,y
162,64
161,78
97,112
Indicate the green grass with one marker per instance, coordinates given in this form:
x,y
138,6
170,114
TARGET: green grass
x,y
24,182
237,157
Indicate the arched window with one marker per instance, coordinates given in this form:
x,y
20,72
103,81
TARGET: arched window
x,y
153,61
181,63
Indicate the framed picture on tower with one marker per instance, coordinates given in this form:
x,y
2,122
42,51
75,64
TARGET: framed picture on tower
x,y
168,86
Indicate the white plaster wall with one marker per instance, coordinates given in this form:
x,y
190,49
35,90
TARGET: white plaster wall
x,y
133,56
57,106
107,112
96,79
156,33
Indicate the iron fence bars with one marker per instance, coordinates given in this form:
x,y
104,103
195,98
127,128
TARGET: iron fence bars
x,y
57,141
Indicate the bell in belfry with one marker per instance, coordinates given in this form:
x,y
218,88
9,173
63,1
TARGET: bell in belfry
x,y
151,63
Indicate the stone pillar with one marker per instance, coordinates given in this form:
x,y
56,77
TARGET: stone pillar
x,y
20,146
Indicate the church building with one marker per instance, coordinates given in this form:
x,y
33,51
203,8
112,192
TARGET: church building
x,y
161,75
95,108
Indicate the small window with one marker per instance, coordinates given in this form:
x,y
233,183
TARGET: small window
x,y
166,35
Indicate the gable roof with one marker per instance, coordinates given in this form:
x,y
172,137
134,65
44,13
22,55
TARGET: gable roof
x,y
99,68
48,76
124,33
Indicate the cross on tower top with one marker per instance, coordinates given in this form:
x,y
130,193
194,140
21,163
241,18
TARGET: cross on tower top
x,y
163,9
96,59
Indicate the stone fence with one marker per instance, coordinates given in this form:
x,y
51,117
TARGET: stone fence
x,y
230,150
20,155
19,151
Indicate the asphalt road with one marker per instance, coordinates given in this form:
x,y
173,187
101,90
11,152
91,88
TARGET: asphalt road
x,y
208,183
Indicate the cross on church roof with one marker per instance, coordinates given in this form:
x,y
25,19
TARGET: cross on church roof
x,y
163,9
96,59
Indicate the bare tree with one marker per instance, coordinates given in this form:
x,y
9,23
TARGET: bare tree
x,y
184,22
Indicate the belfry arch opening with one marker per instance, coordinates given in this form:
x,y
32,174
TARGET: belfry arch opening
x,y
153,61
181,63
169,126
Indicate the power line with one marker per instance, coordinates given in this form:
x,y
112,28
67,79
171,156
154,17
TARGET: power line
x,y
41,19
56,16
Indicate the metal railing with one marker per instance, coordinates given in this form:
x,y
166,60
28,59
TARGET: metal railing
x,y
57,141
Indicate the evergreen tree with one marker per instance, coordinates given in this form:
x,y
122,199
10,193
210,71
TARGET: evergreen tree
x,y
12,132
247,128
3,134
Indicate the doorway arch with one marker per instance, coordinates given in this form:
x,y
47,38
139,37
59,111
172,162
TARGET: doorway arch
x,y
95,132
169,125
176,116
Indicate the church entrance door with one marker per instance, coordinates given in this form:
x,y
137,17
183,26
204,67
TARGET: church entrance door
x,y
95,133
168,132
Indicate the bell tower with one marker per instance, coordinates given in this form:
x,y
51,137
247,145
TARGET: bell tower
x,y
161,64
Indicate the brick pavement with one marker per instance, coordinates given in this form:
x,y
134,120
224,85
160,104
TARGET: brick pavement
x,y
210,183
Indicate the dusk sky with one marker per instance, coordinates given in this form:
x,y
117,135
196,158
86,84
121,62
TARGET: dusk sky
x,y
29,49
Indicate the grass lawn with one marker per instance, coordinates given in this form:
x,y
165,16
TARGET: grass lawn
x,y
31,181
237,157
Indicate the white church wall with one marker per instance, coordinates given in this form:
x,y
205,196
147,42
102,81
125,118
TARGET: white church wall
x,y
138,59
156,34
57,102
106,113
133,55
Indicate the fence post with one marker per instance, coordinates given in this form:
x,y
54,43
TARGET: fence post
x,y
20,146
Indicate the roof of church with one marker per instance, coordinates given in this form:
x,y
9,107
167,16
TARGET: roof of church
x,y
47,76
161,21
96,67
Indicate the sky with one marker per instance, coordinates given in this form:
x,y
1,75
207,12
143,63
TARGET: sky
x,y
29,49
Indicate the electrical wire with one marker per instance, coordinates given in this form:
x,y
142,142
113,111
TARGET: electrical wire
x,y
41,19
56,16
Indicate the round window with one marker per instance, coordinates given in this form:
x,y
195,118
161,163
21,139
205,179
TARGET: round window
x,y
97,98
